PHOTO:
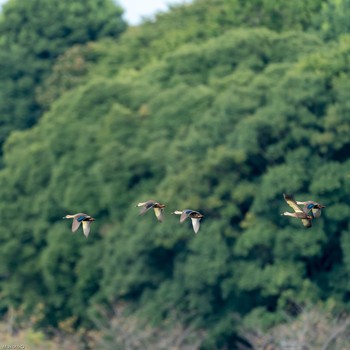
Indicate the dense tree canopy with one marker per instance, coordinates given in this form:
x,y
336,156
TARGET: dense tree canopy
x,y
33,34
222,118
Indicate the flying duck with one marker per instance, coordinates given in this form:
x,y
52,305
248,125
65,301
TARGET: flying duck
x,y
78,219
195,217
157,207
298,212
312,206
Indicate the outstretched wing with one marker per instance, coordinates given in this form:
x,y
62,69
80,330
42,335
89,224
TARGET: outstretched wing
x,y
148,205
183,216
159,213
75,224
86,228
292,203
195,224
78,219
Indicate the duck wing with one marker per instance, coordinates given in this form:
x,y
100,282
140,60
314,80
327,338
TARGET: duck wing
x,y
183,216
292,203
195,224
86,228
75,224
148,205
159,213
78,219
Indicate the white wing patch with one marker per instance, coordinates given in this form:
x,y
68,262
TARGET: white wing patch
x,y
86,228
159,213
195,224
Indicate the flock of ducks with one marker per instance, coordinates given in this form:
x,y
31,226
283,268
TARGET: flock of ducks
x,y
158,208
310,210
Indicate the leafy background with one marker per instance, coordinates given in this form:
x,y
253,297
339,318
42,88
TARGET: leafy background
x,y
218,105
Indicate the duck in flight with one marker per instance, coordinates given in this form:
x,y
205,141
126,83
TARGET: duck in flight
x,y
313,207
306,219
78,219
157,207
195,217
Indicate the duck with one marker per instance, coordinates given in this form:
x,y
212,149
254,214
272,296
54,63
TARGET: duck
x,y
157,207
195,217
314,207
78,219
306,219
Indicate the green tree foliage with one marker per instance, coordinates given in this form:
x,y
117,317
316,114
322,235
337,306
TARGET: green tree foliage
x,y
333,19
224,125
33,34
